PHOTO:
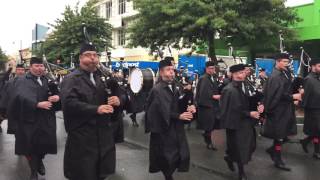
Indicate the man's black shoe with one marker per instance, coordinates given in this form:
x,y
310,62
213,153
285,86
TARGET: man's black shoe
x,y
41,169
229,163
243,177
280,165
34,175
316,156
169,178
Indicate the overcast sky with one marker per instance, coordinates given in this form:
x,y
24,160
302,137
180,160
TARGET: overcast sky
x,y
18,18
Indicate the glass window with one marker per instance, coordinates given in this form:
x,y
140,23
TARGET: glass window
x,y
108,10
122,6
121,37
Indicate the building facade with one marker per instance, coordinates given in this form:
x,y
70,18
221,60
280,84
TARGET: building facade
x,y
309,13
120,13
308,29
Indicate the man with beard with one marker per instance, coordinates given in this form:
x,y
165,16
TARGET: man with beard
x,y
89,107
207,98
311,105
168,143
279,109
238,121
34,111
7,94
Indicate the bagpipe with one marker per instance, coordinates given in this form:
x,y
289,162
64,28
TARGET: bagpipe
x,y
53,82
303,70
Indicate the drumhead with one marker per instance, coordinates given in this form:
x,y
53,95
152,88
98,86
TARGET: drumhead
x,y
136,80
148,79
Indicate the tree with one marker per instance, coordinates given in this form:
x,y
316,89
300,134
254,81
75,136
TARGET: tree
x,y
3,60
68,35
261,23
3,56
182,23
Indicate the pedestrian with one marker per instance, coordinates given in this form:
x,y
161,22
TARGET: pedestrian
x,y
89,108
207,98
34,112
238,121
169,148
279,109
311,105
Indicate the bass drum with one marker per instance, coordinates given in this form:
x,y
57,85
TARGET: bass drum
x,y
141,80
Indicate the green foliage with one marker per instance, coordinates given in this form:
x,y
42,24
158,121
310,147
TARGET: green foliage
x,y
68,32
261,21
3,56
184,23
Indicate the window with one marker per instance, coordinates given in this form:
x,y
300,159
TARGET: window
x,y
108,10
121,37
122,6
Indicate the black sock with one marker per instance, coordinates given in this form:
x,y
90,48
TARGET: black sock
x,y
241,169
207,137
316,145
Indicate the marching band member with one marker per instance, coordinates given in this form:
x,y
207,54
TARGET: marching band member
x,y
169,148
279,109
6,98
238,121
311,105
33,109
207,98
89,110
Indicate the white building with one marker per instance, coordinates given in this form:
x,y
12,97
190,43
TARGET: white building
x,y
120,13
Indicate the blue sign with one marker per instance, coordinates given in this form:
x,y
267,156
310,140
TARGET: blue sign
x,y
138,64
192,63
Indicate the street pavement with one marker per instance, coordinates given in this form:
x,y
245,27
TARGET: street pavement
x,y
132,158
132,161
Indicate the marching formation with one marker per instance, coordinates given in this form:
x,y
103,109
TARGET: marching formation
x,y
93,99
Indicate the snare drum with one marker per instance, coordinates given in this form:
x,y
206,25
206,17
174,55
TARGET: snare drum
x,y
141,80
